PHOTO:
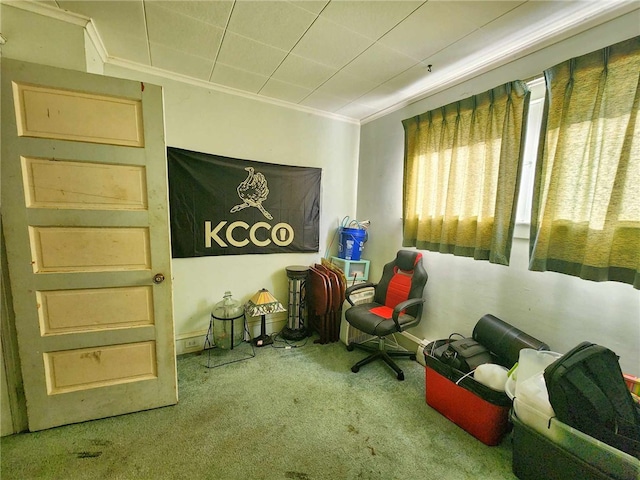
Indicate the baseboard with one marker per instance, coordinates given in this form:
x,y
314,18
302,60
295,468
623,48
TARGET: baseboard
x,y
192,342
411,342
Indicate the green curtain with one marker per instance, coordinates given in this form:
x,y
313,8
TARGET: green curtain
x,y
585,218
461,174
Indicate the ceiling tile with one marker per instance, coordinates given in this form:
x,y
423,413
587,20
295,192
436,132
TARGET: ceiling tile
x,y
303,72
480,50
481,13
276,23
406,82
529,17
324,101
249,55
347,86
214,13
329,43
180,62
356,110
429,29
239,79
179,32
314,6
128,47
379,98
379,63
284,91
458,54
371,19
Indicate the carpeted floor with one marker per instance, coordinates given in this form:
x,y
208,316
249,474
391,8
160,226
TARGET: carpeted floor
x,y
295,413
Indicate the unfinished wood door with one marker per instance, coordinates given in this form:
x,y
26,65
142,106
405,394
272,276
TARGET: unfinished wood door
x,y
85,216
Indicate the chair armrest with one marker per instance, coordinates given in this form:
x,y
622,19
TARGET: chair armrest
x,y
354,288
403,306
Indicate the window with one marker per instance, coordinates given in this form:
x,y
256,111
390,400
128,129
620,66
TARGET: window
x,y
461,174
586,213
578,154
534,121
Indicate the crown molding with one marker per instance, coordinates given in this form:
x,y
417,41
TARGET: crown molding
x,y
158,72
586,15
96,40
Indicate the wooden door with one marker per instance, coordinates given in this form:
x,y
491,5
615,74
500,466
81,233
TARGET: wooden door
x,y
85,217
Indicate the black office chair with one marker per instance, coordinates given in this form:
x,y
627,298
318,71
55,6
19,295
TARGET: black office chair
x,y
396,306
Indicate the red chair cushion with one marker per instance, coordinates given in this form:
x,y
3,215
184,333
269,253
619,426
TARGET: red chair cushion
x,y
384,312
398,290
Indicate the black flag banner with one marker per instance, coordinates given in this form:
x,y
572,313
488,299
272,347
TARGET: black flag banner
x,y
228,206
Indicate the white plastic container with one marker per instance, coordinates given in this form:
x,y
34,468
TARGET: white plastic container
x,y
530,362
533,361
538,420
533,393
527,388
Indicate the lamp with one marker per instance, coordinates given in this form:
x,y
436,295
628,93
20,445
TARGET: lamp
x,y
263,303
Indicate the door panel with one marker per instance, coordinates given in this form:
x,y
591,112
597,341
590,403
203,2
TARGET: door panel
x,y
50,183
71,115
64,311
76,249
86,226
86,368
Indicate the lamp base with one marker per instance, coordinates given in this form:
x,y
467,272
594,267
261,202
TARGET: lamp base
x,y
262,340
294,334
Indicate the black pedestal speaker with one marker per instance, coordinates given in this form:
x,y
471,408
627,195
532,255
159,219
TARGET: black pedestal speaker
x,y
296,328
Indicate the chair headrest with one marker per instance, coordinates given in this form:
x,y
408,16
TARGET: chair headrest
x,y
407,259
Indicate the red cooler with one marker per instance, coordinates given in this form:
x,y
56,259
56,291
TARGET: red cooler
x,y
480,410
477,408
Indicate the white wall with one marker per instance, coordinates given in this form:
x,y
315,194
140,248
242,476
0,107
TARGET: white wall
x,y
212,122
558,309
37,39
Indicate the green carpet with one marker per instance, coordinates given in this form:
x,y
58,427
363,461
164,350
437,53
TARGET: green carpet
x,y
286,414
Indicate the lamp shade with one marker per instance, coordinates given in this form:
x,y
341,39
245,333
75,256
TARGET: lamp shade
x,y
263,303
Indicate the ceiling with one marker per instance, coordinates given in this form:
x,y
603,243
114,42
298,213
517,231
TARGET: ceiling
x,y
355,60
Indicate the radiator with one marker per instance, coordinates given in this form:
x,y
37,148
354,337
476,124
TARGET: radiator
x,y
347,332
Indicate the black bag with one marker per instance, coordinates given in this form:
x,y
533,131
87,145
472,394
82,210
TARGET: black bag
x,y
587,391
464,354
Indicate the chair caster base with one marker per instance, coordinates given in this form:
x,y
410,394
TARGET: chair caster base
x,y
382,354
